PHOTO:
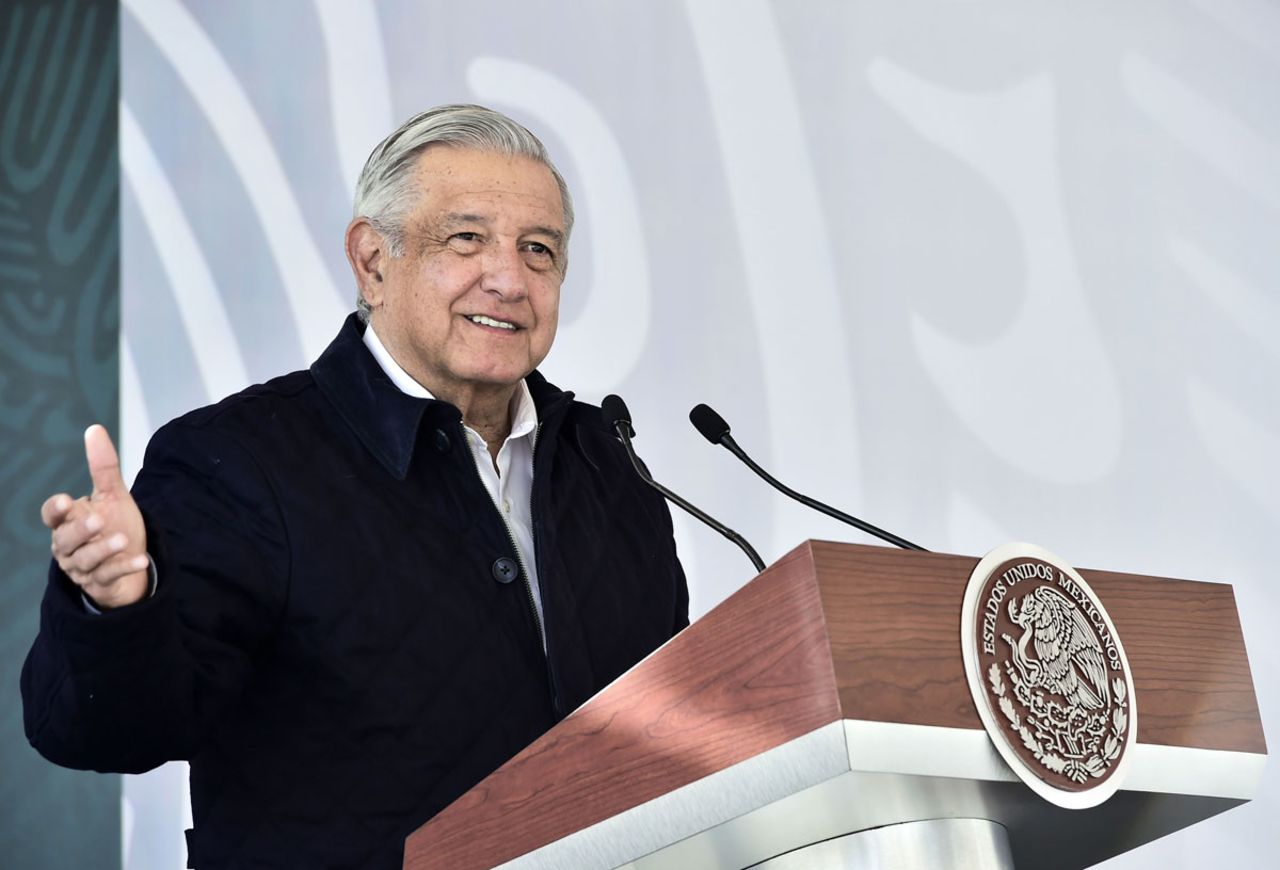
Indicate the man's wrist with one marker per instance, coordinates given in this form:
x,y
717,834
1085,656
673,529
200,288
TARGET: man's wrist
x,y
153,583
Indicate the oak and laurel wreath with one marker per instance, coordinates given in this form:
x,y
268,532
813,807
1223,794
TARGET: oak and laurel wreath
x,y
1074,769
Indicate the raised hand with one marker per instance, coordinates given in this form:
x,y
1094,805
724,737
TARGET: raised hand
x,y
99,540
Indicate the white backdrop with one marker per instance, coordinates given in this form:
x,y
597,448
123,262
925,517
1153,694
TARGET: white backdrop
x,y
975,271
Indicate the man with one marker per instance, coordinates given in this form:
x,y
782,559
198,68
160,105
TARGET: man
x,y
349,594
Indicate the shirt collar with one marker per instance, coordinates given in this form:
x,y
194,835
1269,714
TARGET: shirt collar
x,y
524,414
385,419
391,368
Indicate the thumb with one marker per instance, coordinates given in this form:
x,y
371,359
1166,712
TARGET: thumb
x,y
104,464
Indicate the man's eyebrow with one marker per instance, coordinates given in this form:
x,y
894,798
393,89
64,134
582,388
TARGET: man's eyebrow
x,y
556,234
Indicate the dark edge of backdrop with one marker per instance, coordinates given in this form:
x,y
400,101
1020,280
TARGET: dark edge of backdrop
x,y
59,326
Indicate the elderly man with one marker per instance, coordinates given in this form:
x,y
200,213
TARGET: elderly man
x,y
348,594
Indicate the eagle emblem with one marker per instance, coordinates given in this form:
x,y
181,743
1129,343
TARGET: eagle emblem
x,y
1048,674
1068,655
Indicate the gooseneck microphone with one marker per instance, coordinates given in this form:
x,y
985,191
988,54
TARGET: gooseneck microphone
x,y
716,430
617,417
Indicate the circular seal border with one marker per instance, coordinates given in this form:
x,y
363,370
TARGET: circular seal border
x,y
969,622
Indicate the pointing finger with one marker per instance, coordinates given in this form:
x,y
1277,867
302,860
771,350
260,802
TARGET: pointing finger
x,y
104,463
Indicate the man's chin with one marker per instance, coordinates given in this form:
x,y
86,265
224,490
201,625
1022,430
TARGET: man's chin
x,y
496,378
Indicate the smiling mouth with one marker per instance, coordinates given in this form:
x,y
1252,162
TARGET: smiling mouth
x,y
489,321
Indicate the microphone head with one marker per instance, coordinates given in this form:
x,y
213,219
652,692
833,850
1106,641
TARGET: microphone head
x,y
709,423
614,412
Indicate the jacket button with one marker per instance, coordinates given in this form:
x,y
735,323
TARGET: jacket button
x,y
442,441
506,570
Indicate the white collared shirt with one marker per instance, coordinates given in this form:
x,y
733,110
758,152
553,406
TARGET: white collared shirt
x,y
510,485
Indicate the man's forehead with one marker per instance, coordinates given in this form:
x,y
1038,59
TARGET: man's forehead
x,y
484,183
444,162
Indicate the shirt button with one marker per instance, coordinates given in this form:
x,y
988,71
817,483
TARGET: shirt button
x,y
506,505
506,570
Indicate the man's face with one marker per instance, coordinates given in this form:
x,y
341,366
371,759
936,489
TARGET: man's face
x,y
472,303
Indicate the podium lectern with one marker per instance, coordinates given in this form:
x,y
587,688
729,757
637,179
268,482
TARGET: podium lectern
x,y
828,698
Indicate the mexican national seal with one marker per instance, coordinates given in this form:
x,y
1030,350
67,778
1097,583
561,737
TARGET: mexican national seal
x,y
1048,675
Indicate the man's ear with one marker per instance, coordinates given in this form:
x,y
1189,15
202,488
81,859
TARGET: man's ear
x,y
367,254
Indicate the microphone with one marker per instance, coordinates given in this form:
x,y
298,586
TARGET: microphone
x,y
617,417
716,430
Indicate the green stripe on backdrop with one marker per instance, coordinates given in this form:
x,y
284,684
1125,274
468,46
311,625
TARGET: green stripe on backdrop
x,y
59,321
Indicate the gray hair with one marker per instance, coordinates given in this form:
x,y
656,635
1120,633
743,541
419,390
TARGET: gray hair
x,y
386,190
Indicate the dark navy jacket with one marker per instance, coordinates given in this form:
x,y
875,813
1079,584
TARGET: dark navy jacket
x,y
332,645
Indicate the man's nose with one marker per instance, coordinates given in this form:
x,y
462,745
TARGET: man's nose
x,y
504,272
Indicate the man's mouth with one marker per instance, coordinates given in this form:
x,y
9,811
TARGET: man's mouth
x,y
489,321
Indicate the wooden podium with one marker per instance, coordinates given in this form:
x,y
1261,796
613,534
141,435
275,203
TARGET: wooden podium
x,y
828,696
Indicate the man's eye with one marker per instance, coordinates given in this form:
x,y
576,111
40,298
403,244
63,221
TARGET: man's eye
x,y
464,240
539,252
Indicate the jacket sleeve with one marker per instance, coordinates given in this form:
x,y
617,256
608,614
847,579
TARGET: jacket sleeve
x,y
129,689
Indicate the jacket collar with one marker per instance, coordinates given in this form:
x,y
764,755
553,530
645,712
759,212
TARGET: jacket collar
x,y
385,419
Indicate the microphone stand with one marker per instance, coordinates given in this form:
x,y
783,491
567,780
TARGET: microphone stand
x,y
618,417
714,428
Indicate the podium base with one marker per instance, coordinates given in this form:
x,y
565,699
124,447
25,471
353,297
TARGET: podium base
x,y
960,844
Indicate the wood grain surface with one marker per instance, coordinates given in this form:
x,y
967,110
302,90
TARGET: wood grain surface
x,y
894,622
1191,673
754,674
